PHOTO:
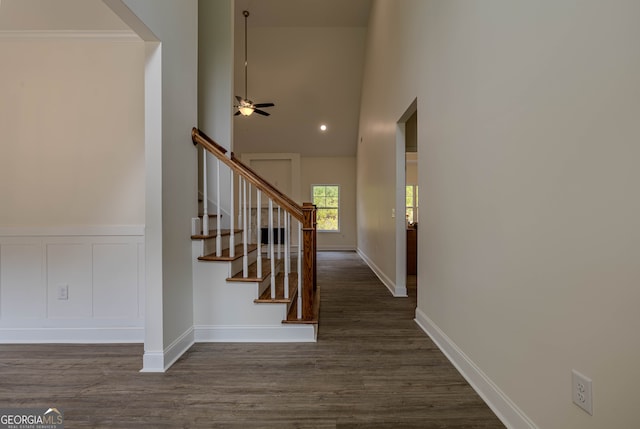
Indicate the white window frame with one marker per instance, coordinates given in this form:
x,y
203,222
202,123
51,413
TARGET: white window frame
x,y
337,208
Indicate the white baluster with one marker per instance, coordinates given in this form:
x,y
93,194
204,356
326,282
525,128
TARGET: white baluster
x,y
250,224
273,261
240,179
245,245
286,255
259,230
299,270
279,235
205,202
232,239
218,217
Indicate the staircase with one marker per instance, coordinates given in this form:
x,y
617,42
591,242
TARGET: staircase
x,y
249,287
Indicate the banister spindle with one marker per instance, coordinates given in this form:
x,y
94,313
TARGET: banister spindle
x,y
250,208
259,230
232,239
218,217
245,245
287,268
299,312
240,180
205,202
279,235
273,261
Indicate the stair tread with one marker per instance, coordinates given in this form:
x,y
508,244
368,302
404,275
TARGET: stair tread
x,y
252,274
239,249
213,233
279,283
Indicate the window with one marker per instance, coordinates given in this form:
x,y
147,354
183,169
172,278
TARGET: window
x,y
327,201
411,203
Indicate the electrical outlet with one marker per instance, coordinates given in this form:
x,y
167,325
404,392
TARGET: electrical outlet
x,y
63,292
581,389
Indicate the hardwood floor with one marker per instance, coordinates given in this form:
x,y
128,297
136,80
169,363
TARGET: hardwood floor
x,y
372,367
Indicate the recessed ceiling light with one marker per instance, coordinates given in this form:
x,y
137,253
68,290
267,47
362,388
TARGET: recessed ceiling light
x,y
323,127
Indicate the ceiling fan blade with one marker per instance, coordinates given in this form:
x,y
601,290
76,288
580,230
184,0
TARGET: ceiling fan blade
x,y
239,99
264,105
237,113
261,112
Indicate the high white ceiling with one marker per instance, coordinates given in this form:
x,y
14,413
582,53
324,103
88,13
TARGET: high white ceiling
x,y
306,56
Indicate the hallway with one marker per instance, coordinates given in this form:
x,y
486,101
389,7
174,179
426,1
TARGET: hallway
x,y
372,367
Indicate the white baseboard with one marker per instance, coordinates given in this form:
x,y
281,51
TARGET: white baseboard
x,y
397,291
507,411
336,248
162,361
71,335
286,333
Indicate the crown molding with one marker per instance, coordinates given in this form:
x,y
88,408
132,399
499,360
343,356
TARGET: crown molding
x,y
121,35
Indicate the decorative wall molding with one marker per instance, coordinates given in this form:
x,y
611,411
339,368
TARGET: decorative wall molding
x,y
72,230
507,411
119,35
72,284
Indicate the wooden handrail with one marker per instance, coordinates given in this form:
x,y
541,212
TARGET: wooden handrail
x,y
198,137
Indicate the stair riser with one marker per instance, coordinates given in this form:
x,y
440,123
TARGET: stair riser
x,y
236,266
213,224
210,243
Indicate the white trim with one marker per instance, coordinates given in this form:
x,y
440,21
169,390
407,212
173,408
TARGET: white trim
x,y
505,409
153,362
71,335
162,361
336,247
177,348
285,333
72,230
120,35
396,291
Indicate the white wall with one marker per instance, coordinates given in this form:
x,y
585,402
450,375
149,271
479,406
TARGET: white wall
x,y
215,92
71,131
72,186
527,135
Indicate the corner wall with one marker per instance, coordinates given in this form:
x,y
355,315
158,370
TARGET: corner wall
x,y
170,30
527,136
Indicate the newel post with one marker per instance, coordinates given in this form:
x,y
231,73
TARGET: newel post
x,y
309,259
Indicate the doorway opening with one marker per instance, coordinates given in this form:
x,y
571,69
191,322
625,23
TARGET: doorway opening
x,y
407,202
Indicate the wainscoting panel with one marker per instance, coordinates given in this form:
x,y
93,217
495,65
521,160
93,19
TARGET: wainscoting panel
x,y
115,280
22,295
69,268
84,285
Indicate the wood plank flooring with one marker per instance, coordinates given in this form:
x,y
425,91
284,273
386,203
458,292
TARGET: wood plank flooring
x,y
372,367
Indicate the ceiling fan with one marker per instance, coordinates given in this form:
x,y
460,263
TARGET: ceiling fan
x,y
245,106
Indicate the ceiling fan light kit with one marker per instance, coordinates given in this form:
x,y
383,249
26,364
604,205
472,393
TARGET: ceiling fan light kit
x,y
245,106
